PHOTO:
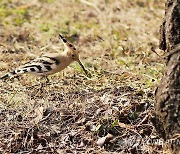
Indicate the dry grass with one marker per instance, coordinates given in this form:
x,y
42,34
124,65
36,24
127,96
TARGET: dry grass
x,y
73,111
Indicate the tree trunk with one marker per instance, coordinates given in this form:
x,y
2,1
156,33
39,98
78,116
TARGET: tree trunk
x,y
167,94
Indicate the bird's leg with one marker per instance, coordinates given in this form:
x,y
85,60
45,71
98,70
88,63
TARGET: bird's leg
x,y
44,84
47,80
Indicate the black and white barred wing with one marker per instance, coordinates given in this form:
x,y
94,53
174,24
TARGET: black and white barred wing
x,y
40,66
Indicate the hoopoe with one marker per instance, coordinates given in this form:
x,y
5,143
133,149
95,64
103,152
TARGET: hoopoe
x,y
50,63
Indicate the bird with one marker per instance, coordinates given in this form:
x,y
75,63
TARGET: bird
x,y
49,64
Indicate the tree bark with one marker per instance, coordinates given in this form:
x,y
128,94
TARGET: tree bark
x,y
167,94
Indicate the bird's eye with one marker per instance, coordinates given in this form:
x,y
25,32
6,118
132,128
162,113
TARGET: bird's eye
x,y
73,55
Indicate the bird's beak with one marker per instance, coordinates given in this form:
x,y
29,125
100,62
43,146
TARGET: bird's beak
x,y
86,72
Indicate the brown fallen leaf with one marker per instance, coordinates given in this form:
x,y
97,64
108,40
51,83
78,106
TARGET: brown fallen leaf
x,y
127,126
81,121
104,140
39,114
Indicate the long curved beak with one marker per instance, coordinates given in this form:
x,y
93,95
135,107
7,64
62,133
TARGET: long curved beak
x,y
86,72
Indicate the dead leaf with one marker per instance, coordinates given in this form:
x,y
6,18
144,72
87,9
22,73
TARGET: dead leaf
x,y
81,121
39,114
123,125
104,140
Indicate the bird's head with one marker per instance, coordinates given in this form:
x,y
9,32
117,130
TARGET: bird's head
x,y
72,52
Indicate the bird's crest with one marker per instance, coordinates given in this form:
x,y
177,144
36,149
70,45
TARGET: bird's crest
x,y
66,43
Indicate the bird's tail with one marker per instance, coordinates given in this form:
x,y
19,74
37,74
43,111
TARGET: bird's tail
x,y
13,73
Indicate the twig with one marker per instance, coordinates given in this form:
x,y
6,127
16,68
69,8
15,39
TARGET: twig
x,y
102,17
144,119
153,50
45,118
92,5
176,49
26,138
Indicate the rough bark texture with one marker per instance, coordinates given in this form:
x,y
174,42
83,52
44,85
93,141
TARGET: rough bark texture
x,y
167,95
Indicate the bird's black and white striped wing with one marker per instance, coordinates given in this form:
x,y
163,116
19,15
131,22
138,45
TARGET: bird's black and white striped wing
x,y
40,66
